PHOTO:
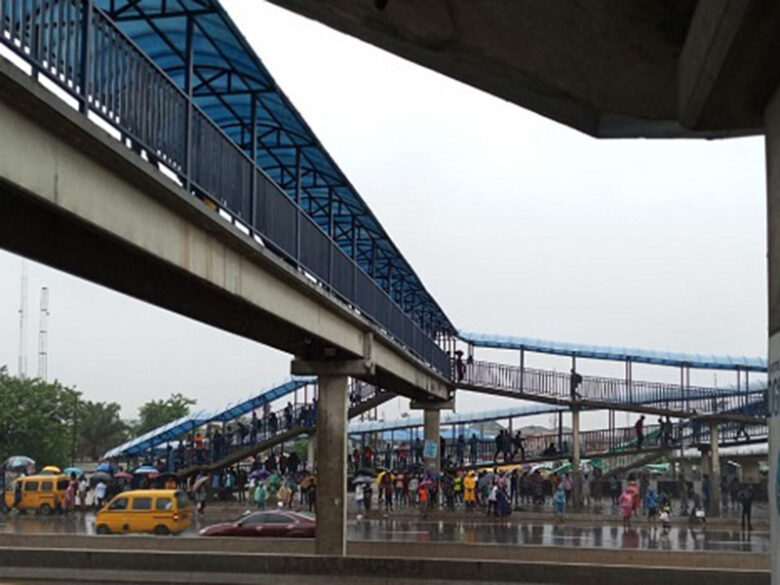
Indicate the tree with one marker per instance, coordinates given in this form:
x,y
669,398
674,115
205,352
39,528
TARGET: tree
x,y
157,413
98,428
36,419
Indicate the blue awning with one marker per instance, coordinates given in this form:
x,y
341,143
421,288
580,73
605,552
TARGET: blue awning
x,y
603,352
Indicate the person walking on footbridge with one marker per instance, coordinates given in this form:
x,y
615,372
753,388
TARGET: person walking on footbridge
x,y
639,427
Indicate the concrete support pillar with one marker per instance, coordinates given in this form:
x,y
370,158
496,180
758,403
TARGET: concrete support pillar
x,y
311,452
576,476
714,470
432,419
331,440
772,130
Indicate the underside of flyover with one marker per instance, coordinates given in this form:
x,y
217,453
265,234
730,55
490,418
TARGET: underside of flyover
x,y
57,228
609,68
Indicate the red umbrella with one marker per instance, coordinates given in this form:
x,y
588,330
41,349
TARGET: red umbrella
x,y
123,475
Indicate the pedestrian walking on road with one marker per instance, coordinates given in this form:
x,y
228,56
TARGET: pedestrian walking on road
x,y
470,491
745,497
260,495
626,506
651,504
559,501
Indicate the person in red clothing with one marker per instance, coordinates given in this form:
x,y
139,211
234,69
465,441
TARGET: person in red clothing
x,y
639,427
422,496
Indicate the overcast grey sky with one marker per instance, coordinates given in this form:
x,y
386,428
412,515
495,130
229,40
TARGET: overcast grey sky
x,y
516,225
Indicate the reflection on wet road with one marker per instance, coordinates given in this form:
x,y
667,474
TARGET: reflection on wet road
x,y
549,534
642,536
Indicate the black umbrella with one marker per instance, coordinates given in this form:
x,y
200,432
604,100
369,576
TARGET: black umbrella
x,y
99,476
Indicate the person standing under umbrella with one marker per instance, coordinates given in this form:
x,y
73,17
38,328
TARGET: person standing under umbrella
x,y
100,494
83,487
260,495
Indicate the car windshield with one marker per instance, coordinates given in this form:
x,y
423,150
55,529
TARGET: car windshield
x,y
307,515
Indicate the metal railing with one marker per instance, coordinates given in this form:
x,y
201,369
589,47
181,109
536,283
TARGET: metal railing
x,y
557,447
618,391
81,50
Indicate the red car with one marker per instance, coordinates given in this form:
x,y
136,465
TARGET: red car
x,y
278,523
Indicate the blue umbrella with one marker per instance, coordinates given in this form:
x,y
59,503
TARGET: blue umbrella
x,y
105,468
260,473
145,470
69,470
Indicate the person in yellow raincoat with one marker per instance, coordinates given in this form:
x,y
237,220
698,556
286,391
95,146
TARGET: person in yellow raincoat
x,y
470,491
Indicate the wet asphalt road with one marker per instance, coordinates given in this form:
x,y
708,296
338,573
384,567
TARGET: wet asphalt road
x,y
479,531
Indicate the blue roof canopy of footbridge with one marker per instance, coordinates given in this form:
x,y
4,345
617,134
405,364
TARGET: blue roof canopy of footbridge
x,y
604,352
160,435
452,418
200,418
229,80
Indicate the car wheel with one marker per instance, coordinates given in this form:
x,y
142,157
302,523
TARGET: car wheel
x,y
161,530
103,529
45,509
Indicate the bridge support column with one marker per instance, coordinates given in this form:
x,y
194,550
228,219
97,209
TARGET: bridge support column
x,y
331,437
714,470
772,130
311,452
576,476
431,456
432,431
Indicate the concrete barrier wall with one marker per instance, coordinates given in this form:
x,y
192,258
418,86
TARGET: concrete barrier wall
x,y
434,550
151,567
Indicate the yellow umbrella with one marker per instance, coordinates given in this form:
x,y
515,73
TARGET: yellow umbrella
x,y
51,470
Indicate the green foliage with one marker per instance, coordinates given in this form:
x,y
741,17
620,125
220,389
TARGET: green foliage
x,y
156,413
98,428
36,419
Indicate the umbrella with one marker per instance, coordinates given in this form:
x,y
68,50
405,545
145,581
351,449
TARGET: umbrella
x,y
50,470
99,476
146,470
19,463
260,473
123,475
363,479
105,468
76,470
199,482
427,483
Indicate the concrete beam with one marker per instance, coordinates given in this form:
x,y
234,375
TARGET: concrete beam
x,y
88,205
430,405
714,28
354,368
608,68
